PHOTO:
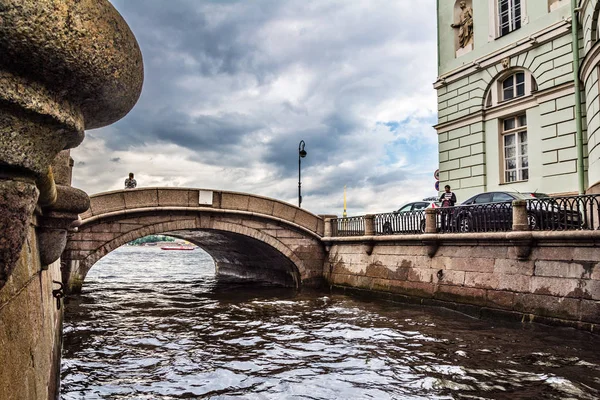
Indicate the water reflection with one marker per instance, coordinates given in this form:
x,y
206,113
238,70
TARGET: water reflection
x,y
156,325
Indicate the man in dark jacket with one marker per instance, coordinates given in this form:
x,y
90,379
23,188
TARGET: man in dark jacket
x,y
448,199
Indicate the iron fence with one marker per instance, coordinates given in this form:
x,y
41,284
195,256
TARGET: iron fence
x,y
564,213
350,226
492,217
546,213
406,222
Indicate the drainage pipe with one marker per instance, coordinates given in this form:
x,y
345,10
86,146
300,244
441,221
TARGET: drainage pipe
x,y
439,62
576,81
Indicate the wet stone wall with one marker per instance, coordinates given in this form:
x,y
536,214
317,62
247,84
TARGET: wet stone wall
x,y
30,329
558,283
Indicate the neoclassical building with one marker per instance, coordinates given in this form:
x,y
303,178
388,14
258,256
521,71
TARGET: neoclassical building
x,y
508,115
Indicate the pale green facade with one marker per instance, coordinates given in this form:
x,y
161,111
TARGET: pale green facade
x,y
472,110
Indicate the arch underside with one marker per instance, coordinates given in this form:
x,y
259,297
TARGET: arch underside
x,y
242,258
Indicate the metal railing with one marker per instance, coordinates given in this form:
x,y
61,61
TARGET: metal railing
x,y
406,222
492,217
551,213
350,226
564,213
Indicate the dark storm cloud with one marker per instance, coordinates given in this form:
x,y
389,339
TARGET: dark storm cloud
x,y
321,141
200,133
198,29
238,84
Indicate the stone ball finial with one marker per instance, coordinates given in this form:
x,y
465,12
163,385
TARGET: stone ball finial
x,y
81,51
65,66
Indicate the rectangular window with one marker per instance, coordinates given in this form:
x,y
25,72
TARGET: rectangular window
x,y
514,141
509,16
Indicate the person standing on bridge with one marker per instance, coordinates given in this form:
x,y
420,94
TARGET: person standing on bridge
x,y
130,183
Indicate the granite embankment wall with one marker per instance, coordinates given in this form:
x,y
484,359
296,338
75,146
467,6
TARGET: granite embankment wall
x,y
547,277
30,328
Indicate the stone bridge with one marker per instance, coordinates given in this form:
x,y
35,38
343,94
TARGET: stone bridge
x,y
248,236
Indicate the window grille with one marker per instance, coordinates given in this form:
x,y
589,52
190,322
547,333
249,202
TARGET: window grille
x,y
509,16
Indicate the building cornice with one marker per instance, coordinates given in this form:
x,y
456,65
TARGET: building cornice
x,y
540,37
459,122
507,108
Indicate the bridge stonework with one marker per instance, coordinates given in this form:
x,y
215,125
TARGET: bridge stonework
x,y
249,237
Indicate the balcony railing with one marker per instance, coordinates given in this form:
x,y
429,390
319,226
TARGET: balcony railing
x,y
552,213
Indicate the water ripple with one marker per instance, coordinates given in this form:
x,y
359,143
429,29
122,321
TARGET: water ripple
x,y
151,325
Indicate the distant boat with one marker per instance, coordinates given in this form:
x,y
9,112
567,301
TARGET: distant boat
x,y
177,248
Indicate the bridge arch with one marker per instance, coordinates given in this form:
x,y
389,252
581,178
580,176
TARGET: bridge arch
x,y
250,236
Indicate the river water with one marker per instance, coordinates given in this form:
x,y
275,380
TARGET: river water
x,y
154,324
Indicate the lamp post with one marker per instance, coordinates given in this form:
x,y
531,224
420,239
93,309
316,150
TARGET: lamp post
x,y
301,155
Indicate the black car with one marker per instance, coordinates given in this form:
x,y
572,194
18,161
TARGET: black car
x,y
492,211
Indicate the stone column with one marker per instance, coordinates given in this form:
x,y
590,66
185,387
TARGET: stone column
x,y
520,221
327,227
369,225
430,220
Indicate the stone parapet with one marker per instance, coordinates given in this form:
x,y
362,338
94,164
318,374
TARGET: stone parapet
x,y
162,198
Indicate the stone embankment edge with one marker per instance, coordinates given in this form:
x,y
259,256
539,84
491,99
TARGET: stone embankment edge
x,y
484,313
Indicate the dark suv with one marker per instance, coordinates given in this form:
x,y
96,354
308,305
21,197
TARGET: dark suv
x,y
492,211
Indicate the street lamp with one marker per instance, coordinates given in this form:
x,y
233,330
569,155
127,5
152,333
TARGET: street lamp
x,y
301,155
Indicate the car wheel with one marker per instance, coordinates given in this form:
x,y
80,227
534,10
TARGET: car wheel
x,y
464,224
533,222
387,228
423,226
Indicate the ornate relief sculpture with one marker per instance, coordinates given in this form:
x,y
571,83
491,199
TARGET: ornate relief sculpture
x,y
464,25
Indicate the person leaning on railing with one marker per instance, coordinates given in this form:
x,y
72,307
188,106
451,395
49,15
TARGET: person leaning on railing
x,y
448,199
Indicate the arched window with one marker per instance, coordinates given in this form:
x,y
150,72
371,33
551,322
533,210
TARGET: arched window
x,y
507,101
513,86
510,86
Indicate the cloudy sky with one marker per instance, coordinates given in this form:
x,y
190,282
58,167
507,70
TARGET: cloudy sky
x,y
232,86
